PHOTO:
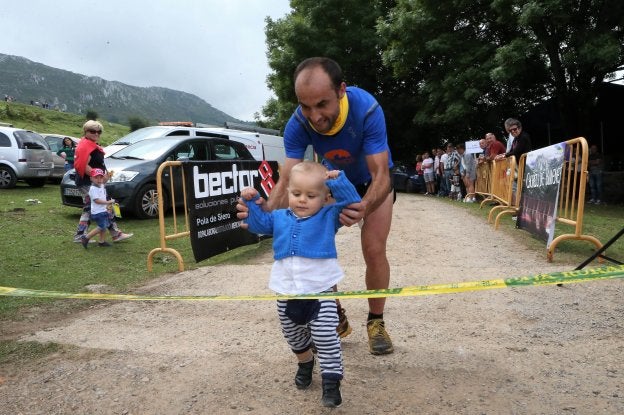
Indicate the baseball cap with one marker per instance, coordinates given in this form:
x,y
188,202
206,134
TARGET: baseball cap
x,y
97,172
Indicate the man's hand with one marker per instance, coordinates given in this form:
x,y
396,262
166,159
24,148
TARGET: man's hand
x,y
353,213
243,211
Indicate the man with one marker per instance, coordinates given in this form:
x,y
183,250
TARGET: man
x,y
596,166
521,142
494,147
346,127
452,160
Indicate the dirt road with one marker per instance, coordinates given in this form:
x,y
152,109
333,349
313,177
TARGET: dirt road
x,y
532,350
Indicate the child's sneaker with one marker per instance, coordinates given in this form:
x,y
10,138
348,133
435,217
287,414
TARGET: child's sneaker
x,y
331,393
303,377
104,244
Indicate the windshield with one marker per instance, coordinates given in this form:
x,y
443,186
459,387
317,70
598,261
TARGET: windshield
x,y
144,150
141,134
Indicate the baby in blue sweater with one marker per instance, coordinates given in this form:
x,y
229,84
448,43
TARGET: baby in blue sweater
x,y
306,262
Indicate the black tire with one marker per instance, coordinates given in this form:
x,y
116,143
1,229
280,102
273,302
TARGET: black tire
x,y
36,182
146,202
8,178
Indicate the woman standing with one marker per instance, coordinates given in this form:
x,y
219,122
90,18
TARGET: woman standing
x,y
67,152
88,156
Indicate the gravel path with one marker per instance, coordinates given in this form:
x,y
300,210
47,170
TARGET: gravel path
x,y
531,350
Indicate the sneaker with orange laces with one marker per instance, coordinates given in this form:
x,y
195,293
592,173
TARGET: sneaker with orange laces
x,y
378,339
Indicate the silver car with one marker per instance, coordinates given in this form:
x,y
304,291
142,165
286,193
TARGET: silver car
x,y
24,155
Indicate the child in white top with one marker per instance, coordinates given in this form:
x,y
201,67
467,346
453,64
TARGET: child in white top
x,y
99,209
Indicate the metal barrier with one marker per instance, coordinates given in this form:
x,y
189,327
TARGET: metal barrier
x,y
173,167
571,206
501,175
483,184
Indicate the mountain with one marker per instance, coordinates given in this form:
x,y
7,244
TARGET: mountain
x,y
114,101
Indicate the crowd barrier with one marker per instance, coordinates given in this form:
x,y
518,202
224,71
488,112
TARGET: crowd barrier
x,y
496,181
571,206
175,170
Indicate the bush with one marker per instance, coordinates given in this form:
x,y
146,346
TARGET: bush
x,y
91,115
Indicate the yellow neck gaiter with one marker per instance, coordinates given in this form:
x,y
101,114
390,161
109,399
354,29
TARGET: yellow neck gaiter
x,y
342,117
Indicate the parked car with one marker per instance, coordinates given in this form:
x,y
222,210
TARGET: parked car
x,y
24,155
134,168
55,141
261,146
405,179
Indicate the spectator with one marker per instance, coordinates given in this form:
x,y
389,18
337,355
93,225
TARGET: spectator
x,y
67,152
428,174
89,155
596,166
452,161
444,185
521,142
469,176
436,166
455,193
419,169
494,146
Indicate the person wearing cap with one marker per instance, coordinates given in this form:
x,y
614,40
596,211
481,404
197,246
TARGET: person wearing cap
x,y
89,155
99,209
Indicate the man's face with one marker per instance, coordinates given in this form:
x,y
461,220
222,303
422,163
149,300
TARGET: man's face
x,y
514,130
319,100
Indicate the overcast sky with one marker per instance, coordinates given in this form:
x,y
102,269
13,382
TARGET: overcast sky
x,y
210,48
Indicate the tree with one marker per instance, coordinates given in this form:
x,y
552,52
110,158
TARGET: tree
x,y
91,115
352,40
478,62
136,122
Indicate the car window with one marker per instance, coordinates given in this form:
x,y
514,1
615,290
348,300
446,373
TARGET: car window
x,y
54,143
30,140
178,132
5,141
225,151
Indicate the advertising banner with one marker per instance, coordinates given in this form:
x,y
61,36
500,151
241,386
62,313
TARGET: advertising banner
x,y
540,192
212,189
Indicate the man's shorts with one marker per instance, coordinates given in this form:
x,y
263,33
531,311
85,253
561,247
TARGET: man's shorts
x,y
429,177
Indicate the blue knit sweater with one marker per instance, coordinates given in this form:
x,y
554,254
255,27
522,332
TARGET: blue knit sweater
x,y
311,237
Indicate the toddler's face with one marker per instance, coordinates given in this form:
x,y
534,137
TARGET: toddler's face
x,y
307,193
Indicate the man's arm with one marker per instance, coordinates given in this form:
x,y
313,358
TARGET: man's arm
x,y
376,193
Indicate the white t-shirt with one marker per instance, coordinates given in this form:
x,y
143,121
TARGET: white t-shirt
x,y
427,165
96,192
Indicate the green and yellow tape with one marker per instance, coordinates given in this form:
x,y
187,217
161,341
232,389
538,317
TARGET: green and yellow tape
x,y
564,277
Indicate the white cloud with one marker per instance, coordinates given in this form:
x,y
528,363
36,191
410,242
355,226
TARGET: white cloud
x,y
213,49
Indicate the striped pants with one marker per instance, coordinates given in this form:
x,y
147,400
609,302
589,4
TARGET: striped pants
x,y
320,328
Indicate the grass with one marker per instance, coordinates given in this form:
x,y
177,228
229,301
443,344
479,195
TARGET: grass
x,y
39,252
48,121
601,221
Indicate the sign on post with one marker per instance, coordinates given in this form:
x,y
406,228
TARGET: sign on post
x,y
540,191
213,188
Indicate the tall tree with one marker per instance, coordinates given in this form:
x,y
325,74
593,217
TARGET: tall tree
x,y
345,31
480,61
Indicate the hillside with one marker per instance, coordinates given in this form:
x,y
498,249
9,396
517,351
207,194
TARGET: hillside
x,y
67,91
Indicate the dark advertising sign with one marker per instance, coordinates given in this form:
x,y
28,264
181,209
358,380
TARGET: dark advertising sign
x,y
213,189
540,192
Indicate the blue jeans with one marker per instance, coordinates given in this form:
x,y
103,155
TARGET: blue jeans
x,y
595,185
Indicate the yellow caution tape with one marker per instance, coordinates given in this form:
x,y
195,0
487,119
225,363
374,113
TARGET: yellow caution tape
x,y
565,277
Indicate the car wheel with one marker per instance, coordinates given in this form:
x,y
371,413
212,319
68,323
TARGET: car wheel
x,y
146,202
8,179
36,182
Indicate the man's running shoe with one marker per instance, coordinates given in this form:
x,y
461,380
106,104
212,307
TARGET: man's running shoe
x,y
344,328
122,237
378,339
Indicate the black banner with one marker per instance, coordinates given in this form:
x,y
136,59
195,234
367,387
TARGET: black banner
x,y
212,190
